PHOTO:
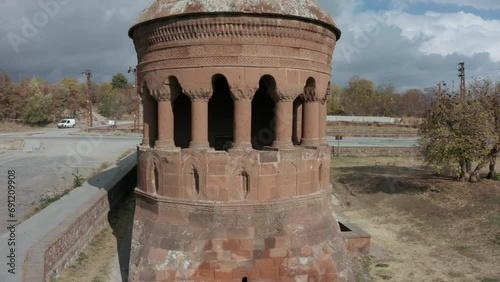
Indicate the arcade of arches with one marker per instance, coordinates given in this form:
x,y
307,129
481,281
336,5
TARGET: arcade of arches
x,y
223,118
234,166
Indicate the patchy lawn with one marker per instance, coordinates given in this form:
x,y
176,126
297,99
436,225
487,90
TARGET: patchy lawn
x,y
434,228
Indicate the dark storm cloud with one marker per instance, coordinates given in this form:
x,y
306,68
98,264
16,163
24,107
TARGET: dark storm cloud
x,y
80,35
72,36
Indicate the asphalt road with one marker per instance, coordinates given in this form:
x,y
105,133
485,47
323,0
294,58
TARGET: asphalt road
x,y
49,159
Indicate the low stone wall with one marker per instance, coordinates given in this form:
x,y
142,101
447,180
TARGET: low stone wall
x,y
363,119
59,248
377,151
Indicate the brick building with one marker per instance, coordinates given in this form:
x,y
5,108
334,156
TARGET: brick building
x,y
234,166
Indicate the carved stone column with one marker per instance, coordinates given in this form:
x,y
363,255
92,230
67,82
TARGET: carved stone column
x,y
284,117
310,134
243,117
323,112
165,119
199,117
146,113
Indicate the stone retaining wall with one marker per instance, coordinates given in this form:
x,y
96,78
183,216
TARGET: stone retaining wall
x,y
59,248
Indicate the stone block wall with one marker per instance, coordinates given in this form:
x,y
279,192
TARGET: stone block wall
x,y
279,240
235,175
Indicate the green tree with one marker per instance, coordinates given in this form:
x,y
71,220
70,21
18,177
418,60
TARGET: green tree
x,y
112,104
10,99
357,98
334,101
456,134
119,81
38,107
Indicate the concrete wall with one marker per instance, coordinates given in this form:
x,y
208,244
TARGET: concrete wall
x,y
62,245
363,119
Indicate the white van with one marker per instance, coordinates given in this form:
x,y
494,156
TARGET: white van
x,y
67,123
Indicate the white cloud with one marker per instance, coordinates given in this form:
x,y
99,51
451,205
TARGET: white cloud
x,y
478,4
449,33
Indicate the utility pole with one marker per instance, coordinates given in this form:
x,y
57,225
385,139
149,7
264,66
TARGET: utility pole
x,y
461,74
88,74
440,90
138,100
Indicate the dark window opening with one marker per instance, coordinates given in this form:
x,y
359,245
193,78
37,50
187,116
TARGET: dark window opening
x,y
220,115
263,117
244,279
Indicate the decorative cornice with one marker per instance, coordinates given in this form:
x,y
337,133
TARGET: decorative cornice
x,y
232,27
243,93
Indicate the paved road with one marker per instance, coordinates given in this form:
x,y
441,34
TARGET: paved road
x,y
373,142
49,159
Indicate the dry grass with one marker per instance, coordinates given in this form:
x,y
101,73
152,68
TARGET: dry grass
x,y
125,154
435,228
15,127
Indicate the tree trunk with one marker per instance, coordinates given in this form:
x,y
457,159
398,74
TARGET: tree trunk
x,y
493,160
464,171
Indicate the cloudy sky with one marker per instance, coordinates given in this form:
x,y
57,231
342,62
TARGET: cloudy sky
x,y
410,43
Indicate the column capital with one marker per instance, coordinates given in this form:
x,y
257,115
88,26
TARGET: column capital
x,y
309,95
324,99
243,93
162,94
288,93
198,94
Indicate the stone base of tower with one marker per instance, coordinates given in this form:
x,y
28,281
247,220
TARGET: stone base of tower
x,y
296,239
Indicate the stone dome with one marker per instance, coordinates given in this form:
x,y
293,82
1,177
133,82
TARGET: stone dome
x,y
304,9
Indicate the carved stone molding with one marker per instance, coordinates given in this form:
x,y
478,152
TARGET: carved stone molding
x,y
227,28
243,93
196,94
327,95
288,94
309,95
163,94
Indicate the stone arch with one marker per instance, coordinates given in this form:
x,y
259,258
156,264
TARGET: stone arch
x,y
263,116
244,179
194,173
181,105
220,114
311,82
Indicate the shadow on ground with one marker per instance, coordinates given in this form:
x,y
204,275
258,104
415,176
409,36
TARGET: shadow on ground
x,y
386,179
121,199
121,221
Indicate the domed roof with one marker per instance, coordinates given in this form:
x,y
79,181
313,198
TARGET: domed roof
x,y
307,9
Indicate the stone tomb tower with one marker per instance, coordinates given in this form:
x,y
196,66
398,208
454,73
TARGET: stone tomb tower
x,y
234,166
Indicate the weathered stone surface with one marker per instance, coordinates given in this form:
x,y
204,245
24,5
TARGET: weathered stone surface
x,y
234,171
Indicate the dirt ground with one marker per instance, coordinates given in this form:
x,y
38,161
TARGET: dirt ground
x,y
432,227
